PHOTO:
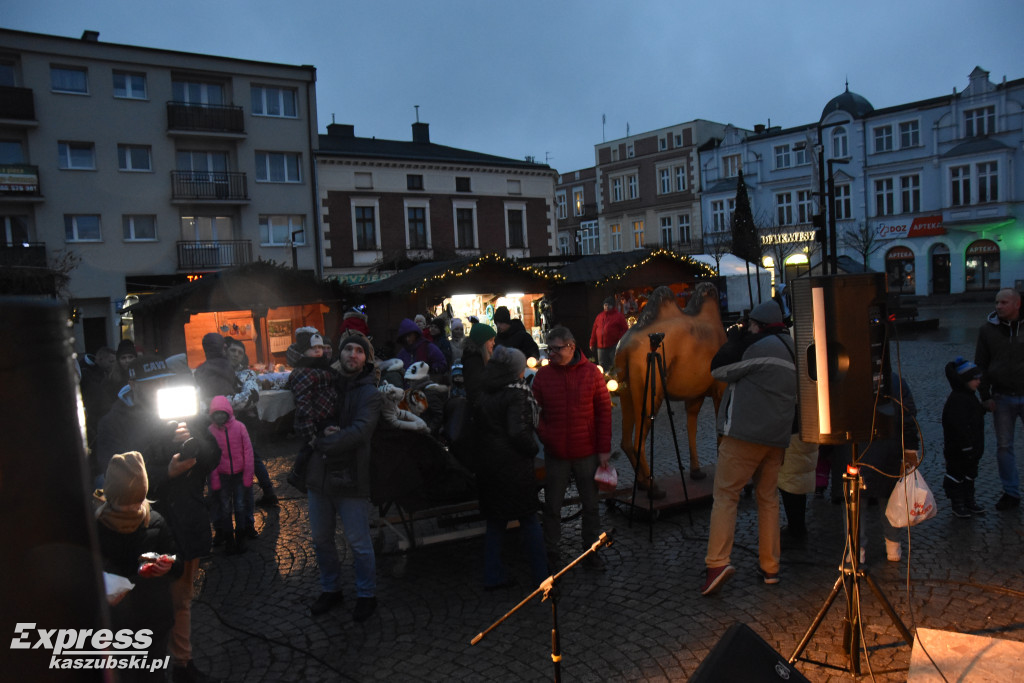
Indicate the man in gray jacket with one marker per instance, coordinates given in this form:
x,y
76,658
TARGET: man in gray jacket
x,y
755,422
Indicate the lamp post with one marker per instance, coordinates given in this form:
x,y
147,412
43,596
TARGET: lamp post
x,y
295,250
833,255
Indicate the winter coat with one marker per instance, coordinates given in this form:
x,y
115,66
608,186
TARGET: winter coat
x,y
353,321
760,399
420,350
236,456
609,326
517,337
244,401
506,446
445,347
215,377
1000,355
472,372
963,421
313,386
799,464
575,409
340,465
898,431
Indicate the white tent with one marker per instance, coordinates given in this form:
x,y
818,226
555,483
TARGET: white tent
x,y
734,270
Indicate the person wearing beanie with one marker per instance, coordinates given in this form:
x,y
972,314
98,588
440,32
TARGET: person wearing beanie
x,y
963,432
312,383
512,332
439,336
415,347
354,319
755,422
126,529
215,376
609,326
476,352
504,416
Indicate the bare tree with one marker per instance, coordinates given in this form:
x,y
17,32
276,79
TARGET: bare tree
x,y
718,244
863,241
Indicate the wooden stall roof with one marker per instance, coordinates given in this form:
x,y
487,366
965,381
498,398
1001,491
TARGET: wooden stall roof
x,y
627,269
488,273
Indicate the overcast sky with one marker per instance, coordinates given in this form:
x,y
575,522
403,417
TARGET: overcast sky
x,y
534,77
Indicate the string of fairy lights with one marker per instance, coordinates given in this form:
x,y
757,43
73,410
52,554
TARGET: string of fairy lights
x,y
476,264
702,269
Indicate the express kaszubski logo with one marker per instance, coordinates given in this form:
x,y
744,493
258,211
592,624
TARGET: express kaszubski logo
x,y
86,648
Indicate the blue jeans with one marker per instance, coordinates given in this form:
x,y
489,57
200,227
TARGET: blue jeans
x,y
234,495
533,543
355,519
1008,409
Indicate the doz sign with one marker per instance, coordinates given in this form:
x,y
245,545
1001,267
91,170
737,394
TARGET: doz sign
x,y
922,226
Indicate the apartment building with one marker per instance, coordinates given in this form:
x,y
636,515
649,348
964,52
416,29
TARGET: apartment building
x,y
150,167
576,212
387,204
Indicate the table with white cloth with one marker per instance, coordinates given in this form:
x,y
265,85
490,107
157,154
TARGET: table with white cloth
x,y
274,404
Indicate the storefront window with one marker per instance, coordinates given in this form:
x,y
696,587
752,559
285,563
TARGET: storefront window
x,y
981,265
899,268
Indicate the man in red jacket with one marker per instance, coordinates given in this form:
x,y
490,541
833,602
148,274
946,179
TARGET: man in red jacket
x,y
609,326
576,430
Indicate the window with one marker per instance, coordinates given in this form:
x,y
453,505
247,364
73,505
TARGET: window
x,y
577,202
615,154
684,228
910,193
206,228
462,185
718,222
782,159
413,181
731,166
910,134
138,228
561,204
15,229
268,101
784,208
804,206
638,234
465,222
516,228
8,73
69,79
282,231
563,244
590,238
616,237
666,231
11,152
76,155
988,182
662,144
134,158
629,151
843,207
195,92
680,178
278,167
366,228
981,121
416,219
799,154
82,227
665,180
960,177
129,86
883,139
634,186
616,189
679,140
840,143
884,197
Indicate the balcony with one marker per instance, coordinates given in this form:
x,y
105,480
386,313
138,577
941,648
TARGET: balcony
x,y
222,186
24,255
205,118
17,104
214,254
19,180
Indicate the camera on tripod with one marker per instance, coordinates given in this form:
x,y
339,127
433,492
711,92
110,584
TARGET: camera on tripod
x,y
656,339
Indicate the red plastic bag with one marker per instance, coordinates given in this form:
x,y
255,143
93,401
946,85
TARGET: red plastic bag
x,y
607,478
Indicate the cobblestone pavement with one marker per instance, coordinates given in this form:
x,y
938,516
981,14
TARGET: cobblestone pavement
x,y
643,618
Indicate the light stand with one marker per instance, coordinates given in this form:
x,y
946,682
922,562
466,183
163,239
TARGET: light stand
x,y
547,587
655,370
850,575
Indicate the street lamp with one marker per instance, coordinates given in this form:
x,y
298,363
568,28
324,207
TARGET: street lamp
x,y
832,212
295,251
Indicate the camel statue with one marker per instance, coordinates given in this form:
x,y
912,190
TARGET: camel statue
x,y
692,337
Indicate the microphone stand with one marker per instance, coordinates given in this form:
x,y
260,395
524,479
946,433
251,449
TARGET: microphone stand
x,y
547,587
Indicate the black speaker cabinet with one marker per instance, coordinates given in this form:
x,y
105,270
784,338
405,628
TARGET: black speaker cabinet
x,y
741,655
841,357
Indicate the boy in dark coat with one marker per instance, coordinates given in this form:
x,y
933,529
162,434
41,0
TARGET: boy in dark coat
x,y
963,431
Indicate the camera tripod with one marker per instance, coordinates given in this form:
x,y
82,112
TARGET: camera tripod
x,y
655,371
850,575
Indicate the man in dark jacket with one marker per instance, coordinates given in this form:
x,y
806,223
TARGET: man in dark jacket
x,y
575,427
755,422
1000,355
338,483
512,333
215,376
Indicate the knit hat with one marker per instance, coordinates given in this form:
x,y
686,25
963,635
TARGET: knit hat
x,y
420,320
767,313
456,323
126,482
146,368
966,370
509,357
213,345
356,337
610,301
480,333
354,313
306,338
126,346
417,371
501,315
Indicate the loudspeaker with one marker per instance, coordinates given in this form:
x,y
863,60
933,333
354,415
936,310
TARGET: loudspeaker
x,y
841,355
741,655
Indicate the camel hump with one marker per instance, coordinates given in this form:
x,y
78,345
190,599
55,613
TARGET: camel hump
x,y
703,292
657,303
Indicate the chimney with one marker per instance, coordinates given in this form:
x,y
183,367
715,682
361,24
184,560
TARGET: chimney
x,y
91,36
758,127
341,130
421,132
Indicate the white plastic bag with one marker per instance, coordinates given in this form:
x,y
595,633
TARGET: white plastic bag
x,y
921,505
606,477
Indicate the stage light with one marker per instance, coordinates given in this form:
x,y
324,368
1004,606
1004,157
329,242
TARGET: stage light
x,y
852,470
177,402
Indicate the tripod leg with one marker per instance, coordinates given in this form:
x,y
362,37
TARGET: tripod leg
x,y
818,618
887,606
672,424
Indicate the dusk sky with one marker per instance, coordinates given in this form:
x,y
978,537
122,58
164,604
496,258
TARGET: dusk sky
x,y
534,78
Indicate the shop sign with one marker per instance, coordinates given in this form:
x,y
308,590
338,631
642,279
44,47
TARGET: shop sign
x,y
898,254
788,237
922,226
983,247
19,179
